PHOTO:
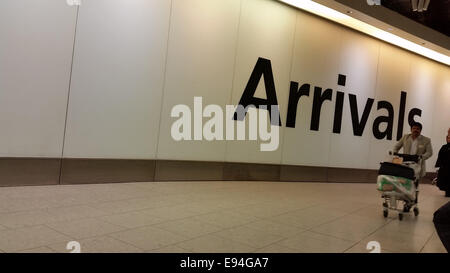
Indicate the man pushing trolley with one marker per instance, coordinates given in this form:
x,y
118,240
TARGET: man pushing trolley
x,y
398,179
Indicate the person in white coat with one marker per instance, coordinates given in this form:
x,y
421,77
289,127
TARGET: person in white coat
x,y
416,144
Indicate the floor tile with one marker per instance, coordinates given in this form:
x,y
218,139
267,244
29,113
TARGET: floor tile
x,y
102,244
309,217
275,248
265,210
42,249
309,242
351,227
188,227
121,206
214,244
171,213
434,245
26,218
202,207
148,238
252,237
398,241
226,219
25,204
170,249
29,238
84,228
74,212
274,228
132,219
417,226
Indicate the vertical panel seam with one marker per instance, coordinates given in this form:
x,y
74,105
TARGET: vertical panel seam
x,y
330,139
68,94
290,79
232,79
164,86
372,140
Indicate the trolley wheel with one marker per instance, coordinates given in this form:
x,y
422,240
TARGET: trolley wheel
x,y
416,211
406,208
385,213
400,216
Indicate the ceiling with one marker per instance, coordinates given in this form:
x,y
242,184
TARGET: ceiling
x,y
416,33
436,17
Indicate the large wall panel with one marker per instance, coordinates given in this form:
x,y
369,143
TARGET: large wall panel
x,y
36,41
440,111
266,30
423,82
314,62
392,79
358,60
201,55
422,85
117,83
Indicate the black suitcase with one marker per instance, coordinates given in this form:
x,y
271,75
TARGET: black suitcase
x,y
388,168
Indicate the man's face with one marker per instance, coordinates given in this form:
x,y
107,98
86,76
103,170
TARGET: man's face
x,y
448,138
415,131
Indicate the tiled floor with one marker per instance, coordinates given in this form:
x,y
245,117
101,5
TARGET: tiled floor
x,y
256,217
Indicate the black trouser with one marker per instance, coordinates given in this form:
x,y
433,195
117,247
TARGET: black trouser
x,y
442,223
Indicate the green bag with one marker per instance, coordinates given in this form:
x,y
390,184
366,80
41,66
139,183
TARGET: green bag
x,y
395,183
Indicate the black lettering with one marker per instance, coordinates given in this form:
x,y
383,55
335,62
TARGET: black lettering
x,y
414,112
319,99
337,123
342,79
358,126
401,115
262,68
294,96
389,119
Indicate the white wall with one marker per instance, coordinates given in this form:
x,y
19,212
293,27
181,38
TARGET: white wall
x,y
393,76
117,81
266,30
36,41
201,59
136,59
358,59
314,62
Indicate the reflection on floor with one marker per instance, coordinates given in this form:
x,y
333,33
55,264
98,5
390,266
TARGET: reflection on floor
x,y
257,217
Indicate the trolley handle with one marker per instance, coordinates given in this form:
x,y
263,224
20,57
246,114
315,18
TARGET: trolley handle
x,y
407,157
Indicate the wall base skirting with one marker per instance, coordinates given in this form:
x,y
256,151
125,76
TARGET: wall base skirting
x,y
53,171
29,171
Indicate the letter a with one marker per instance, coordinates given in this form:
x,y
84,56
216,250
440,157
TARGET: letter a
x,y
263,67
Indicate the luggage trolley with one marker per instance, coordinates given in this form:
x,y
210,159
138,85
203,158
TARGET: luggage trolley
x,y
398,183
